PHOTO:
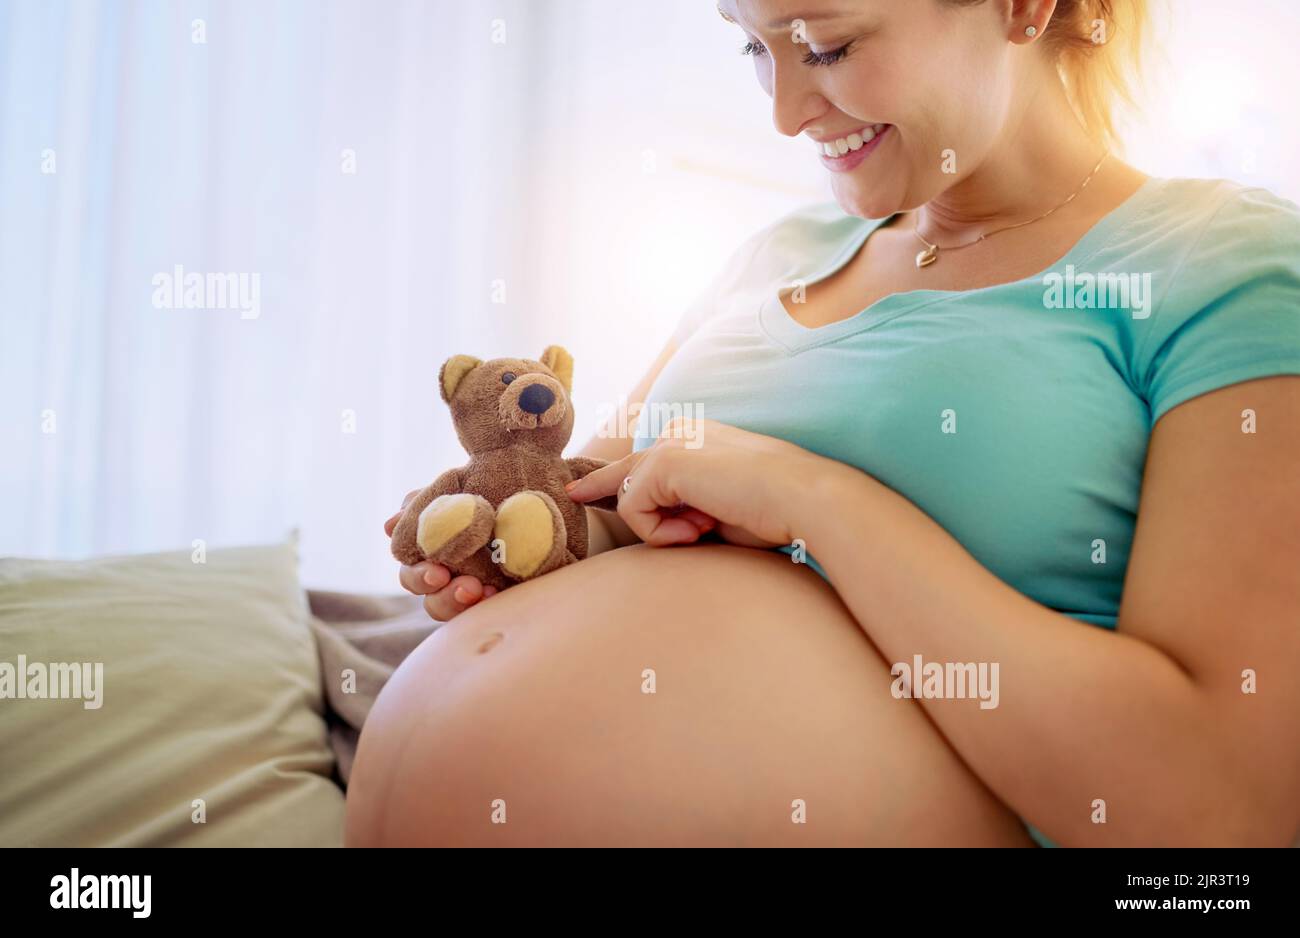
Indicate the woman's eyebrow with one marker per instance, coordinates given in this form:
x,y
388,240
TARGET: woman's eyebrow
x,y
784,22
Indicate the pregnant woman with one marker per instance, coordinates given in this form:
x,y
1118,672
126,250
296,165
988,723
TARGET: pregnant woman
x,y
1009,410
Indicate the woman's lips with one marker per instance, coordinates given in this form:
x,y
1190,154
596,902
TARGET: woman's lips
x,y
852,158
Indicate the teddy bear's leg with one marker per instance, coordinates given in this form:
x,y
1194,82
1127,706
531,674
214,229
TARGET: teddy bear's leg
x,y
532,533
452,527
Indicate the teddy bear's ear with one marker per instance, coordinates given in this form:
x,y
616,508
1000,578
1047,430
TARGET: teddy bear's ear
x,y
560,362
453,370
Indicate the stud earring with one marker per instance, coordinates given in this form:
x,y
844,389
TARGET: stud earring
x,y
1031,31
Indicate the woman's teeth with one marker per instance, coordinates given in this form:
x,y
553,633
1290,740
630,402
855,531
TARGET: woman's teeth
x,y
856,141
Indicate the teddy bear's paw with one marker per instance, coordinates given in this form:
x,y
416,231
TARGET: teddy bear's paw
x,y
452,527
532,534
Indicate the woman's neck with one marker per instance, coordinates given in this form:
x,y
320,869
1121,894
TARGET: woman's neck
x,y
1040,161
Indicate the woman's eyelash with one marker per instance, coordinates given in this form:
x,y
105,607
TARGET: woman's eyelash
x,y
811,58
827,58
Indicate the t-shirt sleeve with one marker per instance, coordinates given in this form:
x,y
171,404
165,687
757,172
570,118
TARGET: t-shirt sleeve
x,y
1231,312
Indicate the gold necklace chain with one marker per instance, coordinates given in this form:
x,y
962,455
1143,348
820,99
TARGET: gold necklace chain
x,y
931,253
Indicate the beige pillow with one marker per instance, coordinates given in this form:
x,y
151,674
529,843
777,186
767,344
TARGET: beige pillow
x,y
210,692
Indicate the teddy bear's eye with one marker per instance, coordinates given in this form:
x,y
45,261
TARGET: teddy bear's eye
x,y
507,377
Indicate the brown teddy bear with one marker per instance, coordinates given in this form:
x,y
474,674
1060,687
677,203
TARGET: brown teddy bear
x,y
504,516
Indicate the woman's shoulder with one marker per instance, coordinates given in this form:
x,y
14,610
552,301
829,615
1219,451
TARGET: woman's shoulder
x,y
1201,239
804,238
1205,211
1214,193
1222,264
1217,234
789,247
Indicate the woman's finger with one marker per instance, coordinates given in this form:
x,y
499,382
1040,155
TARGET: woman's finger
x,y
454,598
698,518
662,532
603,481
392,522
466,590
650,510
424,578
653,509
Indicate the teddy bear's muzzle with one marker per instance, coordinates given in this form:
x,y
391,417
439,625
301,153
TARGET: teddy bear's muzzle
x,y
533,404
536,399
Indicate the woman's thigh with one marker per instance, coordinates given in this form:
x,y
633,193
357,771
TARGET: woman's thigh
x,y
695,695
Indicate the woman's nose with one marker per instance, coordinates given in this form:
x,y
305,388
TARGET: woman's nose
x,y
795,101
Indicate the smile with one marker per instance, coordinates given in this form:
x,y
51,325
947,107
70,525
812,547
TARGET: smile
x,y
845,153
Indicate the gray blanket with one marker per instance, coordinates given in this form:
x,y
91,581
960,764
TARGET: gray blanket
x,y
361,641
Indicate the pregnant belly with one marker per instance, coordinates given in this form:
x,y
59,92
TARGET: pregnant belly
x,y
708,682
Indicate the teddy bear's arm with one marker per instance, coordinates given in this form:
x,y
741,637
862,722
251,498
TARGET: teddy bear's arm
x,y
579,466
404,545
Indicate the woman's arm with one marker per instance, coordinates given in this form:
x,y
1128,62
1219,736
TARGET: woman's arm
x,y
605,529
1156,720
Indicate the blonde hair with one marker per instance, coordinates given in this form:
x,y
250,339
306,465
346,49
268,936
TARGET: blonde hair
x,y
1097,45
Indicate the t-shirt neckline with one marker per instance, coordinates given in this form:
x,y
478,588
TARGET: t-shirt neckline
x,y
776,321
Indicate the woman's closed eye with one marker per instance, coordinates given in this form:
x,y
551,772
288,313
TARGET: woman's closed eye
x,y
827,58
812,57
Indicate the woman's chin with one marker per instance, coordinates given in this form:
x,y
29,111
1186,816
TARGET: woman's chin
x,y
865,198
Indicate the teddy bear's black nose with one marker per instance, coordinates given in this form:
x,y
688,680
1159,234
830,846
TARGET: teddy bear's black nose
x,y
536,399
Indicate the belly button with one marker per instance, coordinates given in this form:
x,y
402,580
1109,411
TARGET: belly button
x,y
491,642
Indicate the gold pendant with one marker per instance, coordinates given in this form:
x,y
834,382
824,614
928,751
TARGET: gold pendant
x,y
928,256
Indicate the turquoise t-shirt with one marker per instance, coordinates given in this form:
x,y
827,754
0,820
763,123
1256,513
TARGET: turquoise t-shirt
x,y
1016,416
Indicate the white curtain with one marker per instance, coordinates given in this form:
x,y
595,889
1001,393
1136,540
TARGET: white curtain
x,y
540,153
389,172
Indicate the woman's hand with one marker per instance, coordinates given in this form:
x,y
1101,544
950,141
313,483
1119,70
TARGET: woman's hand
x,y
444,596
744,485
